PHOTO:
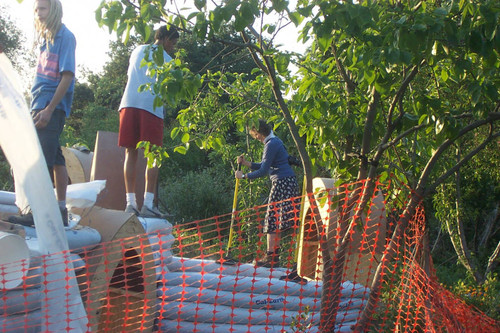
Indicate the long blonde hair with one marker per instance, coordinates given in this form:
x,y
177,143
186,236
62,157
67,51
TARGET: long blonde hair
x,y
47,30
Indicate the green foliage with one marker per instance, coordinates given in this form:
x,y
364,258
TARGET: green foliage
x,y
474,202
6,179
302,322
198,195
82,127
485,297
377,43
108,86
12,43
153,153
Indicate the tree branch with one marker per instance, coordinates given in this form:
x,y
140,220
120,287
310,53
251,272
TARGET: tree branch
x,y
351,85
401,91
493,260
444,146
458,165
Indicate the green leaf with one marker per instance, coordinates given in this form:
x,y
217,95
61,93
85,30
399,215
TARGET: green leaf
x,y
369,75
325,42
185,138
444,75
423,118
181,150
393,55
239,24
174,133
296,18
200,4
419,27
282,62
279,5
402,20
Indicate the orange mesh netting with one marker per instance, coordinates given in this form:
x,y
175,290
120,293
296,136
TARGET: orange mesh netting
x,y
181,278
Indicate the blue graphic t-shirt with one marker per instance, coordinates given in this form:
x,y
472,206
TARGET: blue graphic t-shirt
x,y
58,58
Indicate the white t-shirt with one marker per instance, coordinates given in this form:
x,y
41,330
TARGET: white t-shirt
x,y
138,76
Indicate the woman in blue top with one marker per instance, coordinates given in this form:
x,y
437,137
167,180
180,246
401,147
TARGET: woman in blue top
x,y
282,212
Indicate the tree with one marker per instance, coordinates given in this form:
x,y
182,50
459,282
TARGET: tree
x,y
12,42
472,224
388,87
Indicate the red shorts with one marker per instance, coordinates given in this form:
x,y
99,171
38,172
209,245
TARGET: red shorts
x,y
139,125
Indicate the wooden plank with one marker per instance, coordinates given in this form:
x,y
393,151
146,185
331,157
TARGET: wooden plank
x,y
119,286
108,164
12,228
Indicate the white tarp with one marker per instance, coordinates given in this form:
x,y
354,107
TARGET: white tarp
x,y
79,195
21,147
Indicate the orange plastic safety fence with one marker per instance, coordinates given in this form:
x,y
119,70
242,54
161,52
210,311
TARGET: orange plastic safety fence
x,y
194,277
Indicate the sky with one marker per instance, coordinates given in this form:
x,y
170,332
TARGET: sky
x,y
79,16
92,41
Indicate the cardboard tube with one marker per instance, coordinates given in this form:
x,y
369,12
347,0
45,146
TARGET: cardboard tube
x,y
14,261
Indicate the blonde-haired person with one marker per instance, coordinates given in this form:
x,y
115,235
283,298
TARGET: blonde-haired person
x,y
52,94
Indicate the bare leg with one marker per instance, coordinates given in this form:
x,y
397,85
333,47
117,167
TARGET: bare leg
x,y
129,173
151,179
60,181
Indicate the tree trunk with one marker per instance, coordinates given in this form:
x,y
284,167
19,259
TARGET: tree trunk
x,y
458,237
327,310
389,255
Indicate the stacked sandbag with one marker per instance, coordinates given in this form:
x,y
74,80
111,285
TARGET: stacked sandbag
x,y
178,264
80,238
21,306
206,296
8,202
247,302
161,240
80,195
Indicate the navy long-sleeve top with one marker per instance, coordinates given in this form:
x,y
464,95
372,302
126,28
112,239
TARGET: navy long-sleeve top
x,y
274,161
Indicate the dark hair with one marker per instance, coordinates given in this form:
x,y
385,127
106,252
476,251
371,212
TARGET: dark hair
x,y
264,128
164,32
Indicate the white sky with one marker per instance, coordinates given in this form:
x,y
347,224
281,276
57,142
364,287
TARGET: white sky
x,y
79,16
91,41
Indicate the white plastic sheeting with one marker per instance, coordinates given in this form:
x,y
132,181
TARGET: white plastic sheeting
x,y
21,147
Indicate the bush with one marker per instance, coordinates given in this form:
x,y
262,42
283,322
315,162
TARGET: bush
x,y
485,297
6,180
82,126
198,194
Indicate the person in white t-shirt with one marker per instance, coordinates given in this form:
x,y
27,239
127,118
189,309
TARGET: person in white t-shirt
x,y
141,120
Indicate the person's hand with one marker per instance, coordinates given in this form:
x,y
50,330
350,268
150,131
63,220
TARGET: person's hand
x,y
42,118
238,174
241,159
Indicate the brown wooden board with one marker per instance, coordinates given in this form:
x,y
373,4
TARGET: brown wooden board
x,y
119,284
78,164
108,164
361,263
